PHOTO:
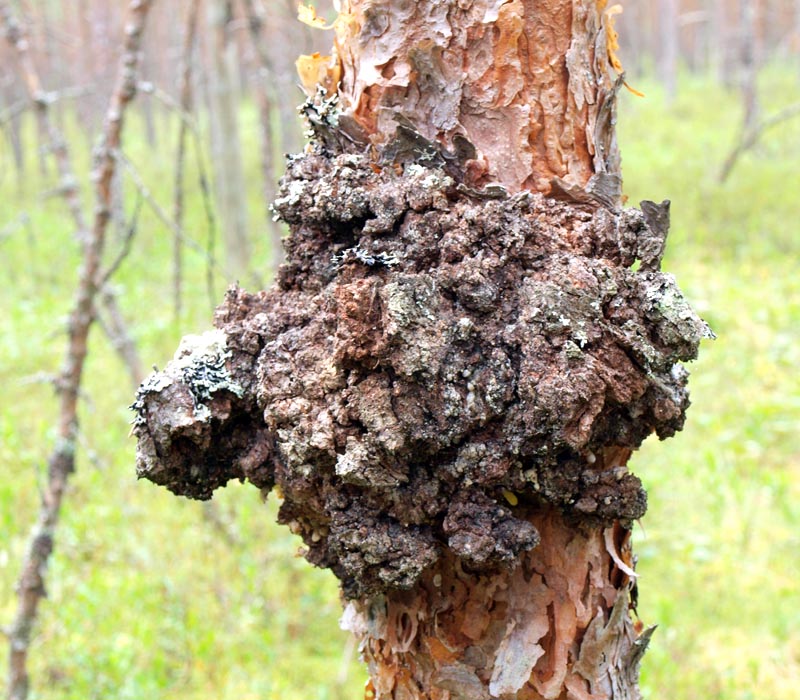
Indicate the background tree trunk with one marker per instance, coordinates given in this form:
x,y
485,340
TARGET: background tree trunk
x,y
668,58
264,90
748,62
226,152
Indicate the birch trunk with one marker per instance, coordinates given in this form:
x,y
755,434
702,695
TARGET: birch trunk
x,y
453,369
226,152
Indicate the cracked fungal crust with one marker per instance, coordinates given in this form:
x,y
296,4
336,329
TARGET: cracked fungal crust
x,y
430,367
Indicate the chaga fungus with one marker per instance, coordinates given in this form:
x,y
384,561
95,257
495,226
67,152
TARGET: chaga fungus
x,y
433,364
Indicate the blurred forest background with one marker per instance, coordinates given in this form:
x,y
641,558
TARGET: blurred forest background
x,y
150,596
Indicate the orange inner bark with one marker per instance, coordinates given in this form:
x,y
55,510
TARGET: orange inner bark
x,y
527,82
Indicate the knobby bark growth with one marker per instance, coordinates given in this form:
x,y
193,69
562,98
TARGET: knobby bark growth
x,y
458,357
92,279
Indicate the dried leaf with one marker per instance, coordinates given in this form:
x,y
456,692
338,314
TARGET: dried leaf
x,y
612,40
308,15
316,69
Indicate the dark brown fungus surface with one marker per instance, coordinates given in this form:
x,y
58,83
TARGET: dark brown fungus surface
x,y
430,365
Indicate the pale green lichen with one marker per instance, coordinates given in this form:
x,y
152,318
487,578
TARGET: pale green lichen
x,y
201,361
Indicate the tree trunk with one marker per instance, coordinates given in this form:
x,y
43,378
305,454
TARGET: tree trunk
x,y
264,90
453,369
725,56
226,149
668,55
748,50
534,97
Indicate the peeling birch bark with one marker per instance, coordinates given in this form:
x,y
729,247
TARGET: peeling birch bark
x,y
556,625
527,83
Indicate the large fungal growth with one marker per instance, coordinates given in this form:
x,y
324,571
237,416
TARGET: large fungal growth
x,y
434,363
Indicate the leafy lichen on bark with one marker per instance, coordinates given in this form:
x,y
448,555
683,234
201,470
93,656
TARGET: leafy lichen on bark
x,y
194,428
470,349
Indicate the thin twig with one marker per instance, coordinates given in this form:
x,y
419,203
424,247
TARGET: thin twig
x,y
113,325
158,210
31,583
21,106
750,137
127,241
152,90
13,111
22,221
202,181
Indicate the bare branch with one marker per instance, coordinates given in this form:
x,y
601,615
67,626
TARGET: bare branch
x,y
41,101
158,210
130,232
750,137
21,106
31,583
23,220
13,111
203,182
68,186
113,325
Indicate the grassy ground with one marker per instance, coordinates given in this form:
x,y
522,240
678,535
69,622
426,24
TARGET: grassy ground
x,y
156,597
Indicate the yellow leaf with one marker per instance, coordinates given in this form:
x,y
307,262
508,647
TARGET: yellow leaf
x,y
316,69
311,70
308,15
612,39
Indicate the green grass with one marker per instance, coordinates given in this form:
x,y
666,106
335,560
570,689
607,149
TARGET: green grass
x,y
719,553
153,597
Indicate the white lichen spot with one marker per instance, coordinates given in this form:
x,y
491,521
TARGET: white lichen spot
x,y
464,328
431,182
201,362
294,193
